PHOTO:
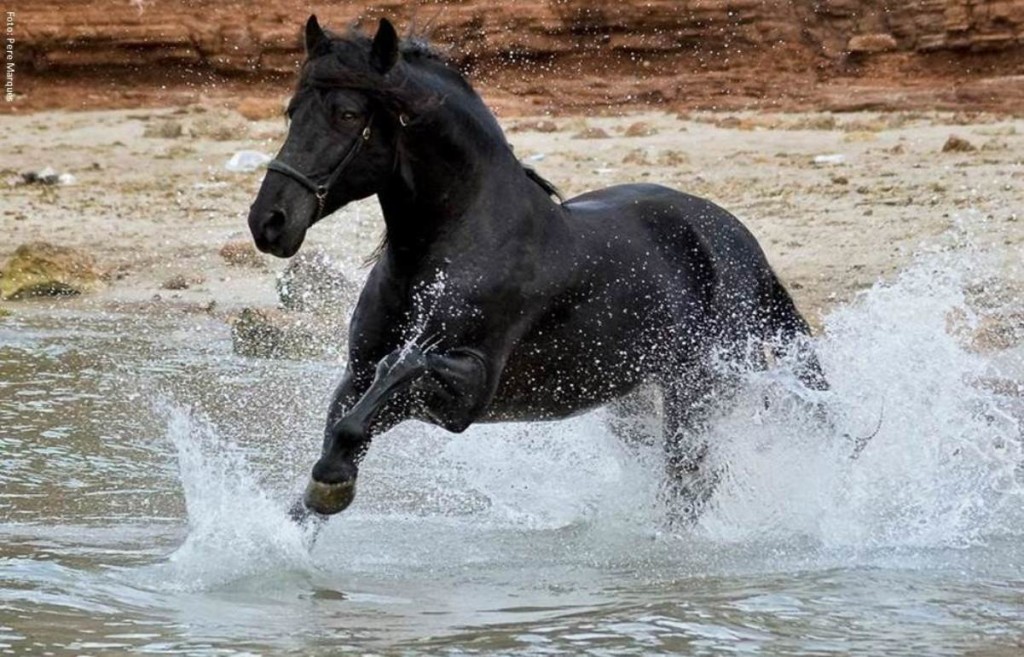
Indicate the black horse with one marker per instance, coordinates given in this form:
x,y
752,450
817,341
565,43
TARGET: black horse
x,y
489,299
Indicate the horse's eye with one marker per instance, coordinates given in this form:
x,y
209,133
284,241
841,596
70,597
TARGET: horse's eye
x,y
349,116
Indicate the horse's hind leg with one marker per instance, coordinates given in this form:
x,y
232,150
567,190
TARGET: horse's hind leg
x,y
633,418
689,480
787,333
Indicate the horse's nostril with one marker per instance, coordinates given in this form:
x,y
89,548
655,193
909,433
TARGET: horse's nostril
x,y
274,225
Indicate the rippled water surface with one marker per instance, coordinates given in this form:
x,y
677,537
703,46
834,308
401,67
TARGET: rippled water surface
x,y
146,471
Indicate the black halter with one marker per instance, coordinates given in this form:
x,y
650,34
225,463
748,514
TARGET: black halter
x,y
320,190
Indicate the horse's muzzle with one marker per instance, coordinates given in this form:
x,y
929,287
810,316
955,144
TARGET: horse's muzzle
x,y
328,499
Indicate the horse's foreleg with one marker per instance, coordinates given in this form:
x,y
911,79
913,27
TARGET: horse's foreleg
x,y
351,426
458,378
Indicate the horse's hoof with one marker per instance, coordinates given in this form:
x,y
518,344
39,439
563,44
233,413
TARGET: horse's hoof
x,y
328,499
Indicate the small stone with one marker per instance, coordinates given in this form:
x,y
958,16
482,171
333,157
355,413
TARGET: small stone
x,y
165,129
636,156
542,125
591,133
957,144
182,281
840,180
673,158
994,145
640,129
241,253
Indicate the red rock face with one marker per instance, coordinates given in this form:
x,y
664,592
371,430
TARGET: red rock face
x,y
542,54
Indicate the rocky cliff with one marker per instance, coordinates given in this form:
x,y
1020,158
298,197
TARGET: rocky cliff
x,y
841,54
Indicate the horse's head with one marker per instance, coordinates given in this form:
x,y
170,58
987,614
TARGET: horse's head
x,y
341,143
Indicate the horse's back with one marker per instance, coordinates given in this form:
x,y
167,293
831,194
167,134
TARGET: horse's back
x,y
706,247
672,218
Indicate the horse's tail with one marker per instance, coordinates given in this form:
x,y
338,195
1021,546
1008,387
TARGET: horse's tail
x,y
788,334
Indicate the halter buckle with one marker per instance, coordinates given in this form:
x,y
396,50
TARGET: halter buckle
x,y
366,133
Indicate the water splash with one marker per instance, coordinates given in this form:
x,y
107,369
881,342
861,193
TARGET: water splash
x,y
235,527
944,468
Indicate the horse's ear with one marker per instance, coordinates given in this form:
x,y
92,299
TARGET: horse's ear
x,y
384,53
316,39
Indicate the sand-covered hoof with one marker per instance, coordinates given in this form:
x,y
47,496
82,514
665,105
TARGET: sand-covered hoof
x,y
328,499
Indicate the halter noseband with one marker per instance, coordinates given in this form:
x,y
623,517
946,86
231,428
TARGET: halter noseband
x,y
320,190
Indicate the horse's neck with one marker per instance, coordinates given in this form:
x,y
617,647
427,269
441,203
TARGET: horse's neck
x,y
443,178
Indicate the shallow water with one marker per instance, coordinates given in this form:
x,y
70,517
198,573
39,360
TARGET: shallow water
x,y
146,471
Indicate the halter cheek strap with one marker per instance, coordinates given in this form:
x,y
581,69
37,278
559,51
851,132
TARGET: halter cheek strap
x,y
320,189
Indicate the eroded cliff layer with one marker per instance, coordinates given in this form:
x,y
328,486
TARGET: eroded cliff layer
x,y
545,54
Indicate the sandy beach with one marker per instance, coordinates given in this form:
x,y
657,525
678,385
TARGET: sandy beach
x,y
837,201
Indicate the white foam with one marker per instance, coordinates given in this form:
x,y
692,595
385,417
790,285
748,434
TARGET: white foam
x,y
944,467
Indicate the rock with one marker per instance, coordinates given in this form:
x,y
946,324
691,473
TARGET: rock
x,y
994,145
670,158
957,144
182,281
591,133
4,312
636,156
242,253
313,282
275,333
260,109
543,125
165,129
219,125
863,44
640,129
998,331
815,122
40,269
